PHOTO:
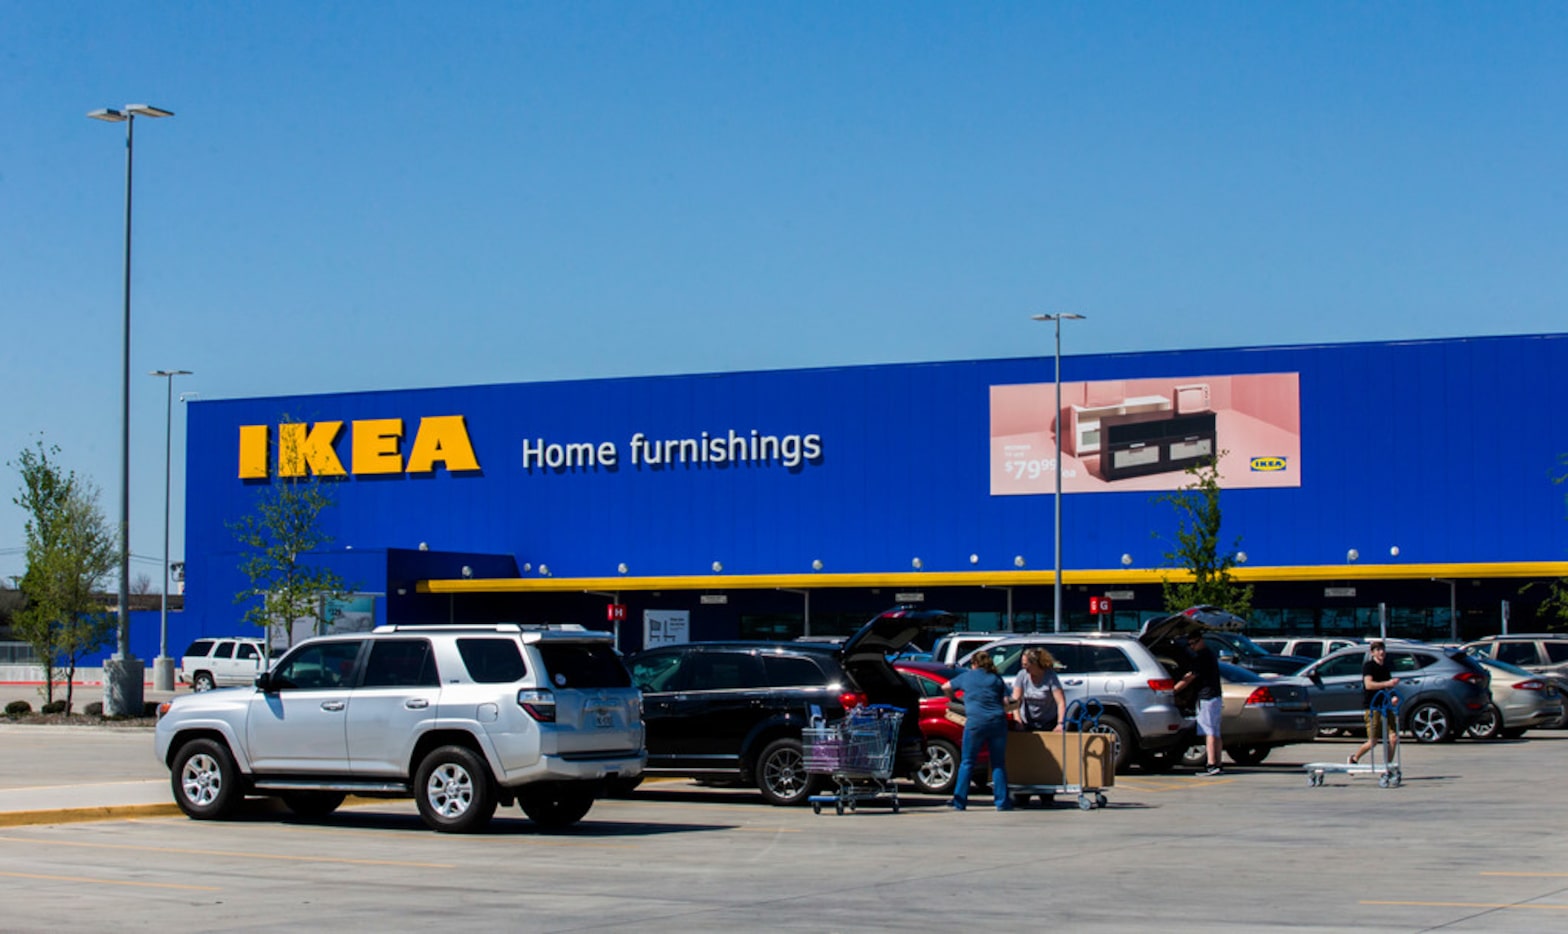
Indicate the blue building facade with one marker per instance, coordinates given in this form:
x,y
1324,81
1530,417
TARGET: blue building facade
x,y
769,504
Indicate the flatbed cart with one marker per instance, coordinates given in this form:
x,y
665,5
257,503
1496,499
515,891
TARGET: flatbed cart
x,y
856,752
1390,774
1083,718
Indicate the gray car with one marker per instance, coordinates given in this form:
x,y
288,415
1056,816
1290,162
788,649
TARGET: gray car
x,y
1441,692
1521,700
1545,654
1134,690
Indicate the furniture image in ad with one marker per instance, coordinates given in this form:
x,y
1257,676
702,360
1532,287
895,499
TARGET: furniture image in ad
x,y
1083,436
1154,442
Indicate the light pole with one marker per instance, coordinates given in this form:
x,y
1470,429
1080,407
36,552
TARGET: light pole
x,y
1056,430
163,665
1453,607
122,674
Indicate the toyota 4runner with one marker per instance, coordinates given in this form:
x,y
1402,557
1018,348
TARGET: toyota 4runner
x,y
460,717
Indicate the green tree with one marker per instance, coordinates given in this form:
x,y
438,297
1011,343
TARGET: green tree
x,y
1197,550
70,552
284,528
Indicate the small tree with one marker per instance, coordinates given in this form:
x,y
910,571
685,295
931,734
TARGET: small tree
x,y
283,529
70,551
1197,506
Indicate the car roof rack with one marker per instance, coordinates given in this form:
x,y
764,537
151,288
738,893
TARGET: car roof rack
x,y
482,627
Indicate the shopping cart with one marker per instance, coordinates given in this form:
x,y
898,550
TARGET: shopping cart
x,y
856,753
1081,721
1389,772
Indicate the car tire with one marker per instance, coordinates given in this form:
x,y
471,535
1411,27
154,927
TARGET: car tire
x,y
312,805
1126,742
1193,755
1488,726
556,805
453,789
938,774
1430,723
781,773
1248,753
206,781
202,681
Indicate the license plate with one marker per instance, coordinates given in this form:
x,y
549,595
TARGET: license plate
x,y
602,719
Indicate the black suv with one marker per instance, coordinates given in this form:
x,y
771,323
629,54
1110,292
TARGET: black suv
x,y
735,710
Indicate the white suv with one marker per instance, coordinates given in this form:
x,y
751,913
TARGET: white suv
x,y
461,717
214,663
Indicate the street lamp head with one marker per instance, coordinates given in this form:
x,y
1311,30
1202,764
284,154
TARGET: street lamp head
x,y
170,373
147,110
1059,316
108,115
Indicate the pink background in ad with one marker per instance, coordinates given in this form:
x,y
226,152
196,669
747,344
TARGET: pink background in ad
x,y
1256,415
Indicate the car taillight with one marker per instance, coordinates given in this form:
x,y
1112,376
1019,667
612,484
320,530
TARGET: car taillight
x,y
850,699
537,704
1531,685
1469,677
1159,685
1261,697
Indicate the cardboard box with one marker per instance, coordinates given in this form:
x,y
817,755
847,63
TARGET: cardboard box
x,y
1040,759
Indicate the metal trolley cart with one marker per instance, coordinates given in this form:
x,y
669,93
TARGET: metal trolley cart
x,y
1390,774
856,752
1082,718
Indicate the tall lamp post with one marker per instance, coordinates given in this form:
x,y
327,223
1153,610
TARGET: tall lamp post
x,y
163,665
122,675
1056,430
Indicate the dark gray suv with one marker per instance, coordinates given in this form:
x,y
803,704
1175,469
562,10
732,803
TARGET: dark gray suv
x,y
1441,691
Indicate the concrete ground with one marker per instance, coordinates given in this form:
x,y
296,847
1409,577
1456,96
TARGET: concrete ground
x,y
1472,841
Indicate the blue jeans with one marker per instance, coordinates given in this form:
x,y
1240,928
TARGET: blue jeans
x,y
993,739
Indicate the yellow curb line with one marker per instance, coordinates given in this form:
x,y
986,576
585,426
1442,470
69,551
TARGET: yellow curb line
x,y
82,815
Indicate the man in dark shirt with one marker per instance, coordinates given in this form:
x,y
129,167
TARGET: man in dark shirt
x,y
1205,672
1376,677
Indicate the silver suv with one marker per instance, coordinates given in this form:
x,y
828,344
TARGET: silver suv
x,y
461,717
1135,691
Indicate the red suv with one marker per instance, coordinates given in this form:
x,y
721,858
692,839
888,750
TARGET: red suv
x,y
944,739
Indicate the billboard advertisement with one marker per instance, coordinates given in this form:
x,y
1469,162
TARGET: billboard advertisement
x,y
1142,434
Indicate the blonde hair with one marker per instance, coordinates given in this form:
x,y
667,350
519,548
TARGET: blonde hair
x,y
1041,657
982,659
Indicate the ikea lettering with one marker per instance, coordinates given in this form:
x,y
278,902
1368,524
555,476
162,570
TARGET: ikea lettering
x,y
375,448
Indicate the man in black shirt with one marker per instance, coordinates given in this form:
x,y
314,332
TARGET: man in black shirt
x,y
1376,677
1205,672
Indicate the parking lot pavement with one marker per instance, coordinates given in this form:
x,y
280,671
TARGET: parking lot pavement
x,y
1472,841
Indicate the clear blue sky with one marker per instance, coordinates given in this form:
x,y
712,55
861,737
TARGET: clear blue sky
x,y
375,195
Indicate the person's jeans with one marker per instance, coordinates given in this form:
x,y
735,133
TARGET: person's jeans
x,y
993,739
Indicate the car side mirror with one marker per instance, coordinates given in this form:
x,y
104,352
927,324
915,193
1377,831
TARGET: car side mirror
x,y
1315,678
264,683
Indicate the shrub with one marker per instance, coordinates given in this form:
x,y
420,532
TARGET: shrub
x,y
18,708
53,707
95,709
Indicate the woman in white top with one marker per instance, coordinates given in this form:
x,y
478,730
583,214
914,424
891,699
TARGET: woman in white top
x,y
1037,692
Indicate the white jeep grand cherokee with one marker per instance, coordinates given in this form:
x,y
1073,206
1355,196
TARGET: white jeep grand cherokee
x,y
461,717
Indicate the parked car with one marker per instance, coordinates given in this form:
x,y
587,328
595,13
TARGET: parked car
x,y
1441,692
1308,647
735,710
954,646
1135,691
462,718
1545,654
1257,716
1223,633
222,662
944,739
1521,700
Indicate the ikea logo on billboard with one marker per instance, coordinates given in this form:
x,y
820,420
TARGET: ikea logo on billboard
x,y
1268,464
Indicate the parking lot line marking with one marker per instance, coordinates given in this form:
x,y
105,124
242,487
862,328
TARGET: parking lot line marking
x,y
93,881
1545,907
1536,875
192,852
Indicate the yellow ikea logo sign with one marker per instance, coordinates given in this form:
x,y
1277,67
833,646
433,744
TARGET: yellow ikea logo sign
x,y
1268,463
375,448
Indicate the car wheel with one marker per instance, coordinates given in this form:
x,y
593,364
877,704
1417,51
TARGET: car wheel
x,y
556,805
1250,754
939,773
1195,755
1126,746
1430,723
202,681
453,789
1489,726
206,781
313,805
781,773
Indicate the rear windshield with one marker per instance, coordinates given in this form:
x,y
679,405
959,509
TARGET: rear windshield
x,y
199,647
583,665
